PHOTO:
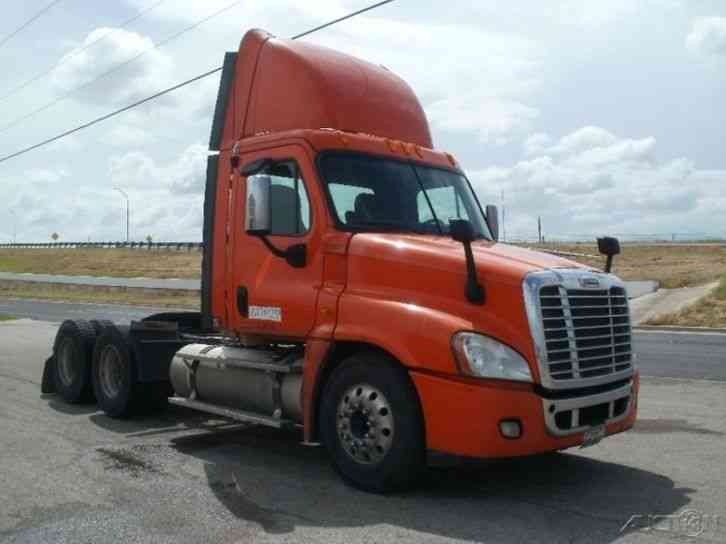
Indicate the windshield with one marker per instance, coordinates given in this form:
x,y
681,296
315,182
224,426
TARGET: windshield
x,y
372,193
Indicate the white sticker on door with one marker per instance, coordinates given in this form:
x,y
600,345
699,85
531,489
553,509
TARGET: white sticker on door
x,y
266,313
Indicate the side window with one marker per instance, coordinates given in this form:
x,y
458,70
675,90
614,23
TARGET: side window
x,y
289,203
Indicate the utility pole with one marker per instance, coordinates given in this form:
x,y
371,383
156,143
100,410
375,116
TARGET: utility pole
x,y
504,216
127,210
539,228
15,226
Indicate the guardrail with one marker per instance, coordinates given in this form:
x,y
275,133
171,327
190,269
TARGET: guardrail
x,y
178,246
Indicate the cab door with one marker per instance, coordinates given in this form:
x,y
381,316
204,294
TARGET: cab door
x,y
266,294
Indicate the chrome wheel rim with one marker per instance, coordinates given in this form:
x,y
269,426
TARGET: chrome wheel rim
x,y
111,371
365,424
66,362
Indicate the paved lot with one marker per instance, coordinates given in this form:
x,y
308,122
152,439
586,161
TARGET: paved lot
x,y
105,281
681,354
70,474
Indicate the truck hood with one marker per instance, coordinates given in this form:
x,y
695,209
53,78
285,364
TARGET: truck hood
x,y
497,260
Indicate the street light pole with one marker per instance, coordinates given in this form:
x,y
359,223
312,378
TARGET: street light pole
x,y
127,210
15,227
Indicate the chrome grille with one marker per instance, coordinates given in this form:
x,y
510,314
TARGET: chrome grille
x,y
586,332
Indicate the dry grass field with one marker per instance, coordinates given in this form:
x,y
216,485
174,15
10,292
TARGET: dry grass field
x,y
673,265
126,263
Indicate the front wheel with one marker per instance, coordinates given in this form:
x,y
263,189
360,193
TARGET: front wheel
x,y
371,424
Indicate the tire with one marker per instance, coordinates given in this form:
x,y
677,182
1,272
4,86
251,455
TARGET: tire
x,y
114,374
100,324
73,354
371,424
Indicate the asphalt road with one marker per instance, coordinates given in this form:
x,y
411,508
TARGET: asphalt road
x,y
681,355
71,474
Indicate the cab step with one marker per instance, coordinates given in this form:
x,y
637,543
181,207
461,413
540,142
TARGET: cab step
x,y
231,413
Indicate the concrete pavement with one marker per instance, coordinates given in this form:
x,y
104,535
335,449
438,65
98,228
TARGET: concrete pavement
x,y
105,281
70,474
60,311
666,301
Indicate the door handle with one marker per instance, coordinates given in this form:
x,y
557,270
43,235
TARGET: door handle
x,y
243,306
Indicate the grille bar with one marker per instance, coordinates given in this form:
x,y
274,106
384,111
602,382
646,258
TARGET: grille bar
x,y
586,332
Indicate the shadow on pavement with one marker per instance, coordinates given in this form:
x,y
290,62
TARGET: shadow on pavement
x,y
59,405
267,477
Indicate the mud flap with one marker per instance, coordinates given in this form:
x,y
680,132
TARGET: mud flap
x,y
47,386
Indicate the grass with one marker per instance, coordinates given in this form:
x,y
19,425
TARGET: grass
x,y
672,266
124,263
6,317
133,297
710,311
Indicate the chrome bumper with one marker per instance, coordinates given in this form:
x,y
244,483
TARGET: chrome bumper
x,y
568,416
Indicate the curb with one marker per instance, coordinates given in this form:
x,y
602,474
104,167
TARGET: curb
x,y
676,328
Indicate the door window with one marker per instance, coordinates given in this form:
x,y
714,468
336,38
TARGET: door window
x,y
289,203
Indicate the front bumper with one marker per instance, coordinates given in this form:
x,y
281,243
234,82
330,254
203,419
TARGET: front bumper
x,y
462,417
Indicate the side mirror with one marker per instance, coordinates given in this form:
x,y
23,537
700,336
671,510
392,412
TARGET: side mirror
x,y
493,221
461,230
258,216
609,247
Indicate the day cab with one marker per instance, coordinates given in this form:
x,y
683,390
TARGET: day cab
x,y
360,291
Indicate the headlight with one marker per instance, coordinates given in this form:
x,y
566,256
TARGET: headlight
x,y
485,357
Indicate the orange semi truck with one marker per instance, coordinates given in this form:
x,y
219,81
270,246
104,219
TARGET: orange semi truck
x,y
353,287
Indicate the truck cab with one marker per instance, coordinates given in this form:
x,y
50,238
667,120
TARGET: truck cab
x,y
355,286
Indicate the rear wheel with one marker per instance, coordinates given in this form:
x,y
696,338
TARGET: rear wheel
x,y
114,374
73,351
371,424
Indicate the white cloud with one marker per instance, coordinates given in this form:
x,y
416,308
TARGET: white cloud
x,y
493,119
149,71
185,174
535,143
46,175
708,36
594,182
129,136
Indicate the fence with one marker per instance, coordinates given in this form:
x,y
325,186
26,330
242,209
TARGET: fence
x,y
178,246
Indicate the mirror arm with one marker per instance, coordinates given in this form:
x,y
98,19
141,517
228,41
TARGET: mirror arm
x,y
474,291
295,255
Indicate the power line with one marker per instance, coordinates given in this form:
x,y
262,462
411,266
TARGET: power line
x,y
117,67
171,89
27,23
341,19
75,52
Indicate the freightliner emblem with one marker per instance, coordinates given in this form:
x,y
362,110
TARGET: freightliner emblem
x,y
590,282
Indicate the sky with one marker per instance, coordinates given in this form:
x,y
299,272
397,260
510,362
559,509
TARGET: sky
x,y
598,117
